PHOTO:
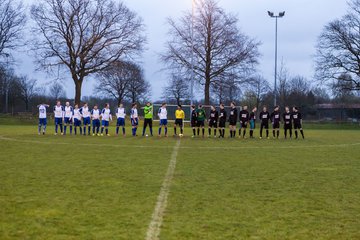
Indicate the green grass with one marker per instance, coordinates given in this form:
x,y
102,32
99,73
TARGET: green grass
x,y
76,187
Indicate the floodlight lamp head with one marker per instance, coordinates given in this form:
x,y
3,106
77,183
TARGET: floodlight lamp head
x,y
281,14
271,14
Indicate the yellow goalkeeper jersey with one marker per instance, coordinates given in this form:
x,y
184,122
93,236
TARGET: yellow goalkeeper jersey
x,y
179,114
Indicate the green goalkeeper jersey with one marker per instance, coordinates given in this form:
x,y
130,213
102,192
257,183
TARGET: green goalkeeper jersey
x,y
200,114
148,112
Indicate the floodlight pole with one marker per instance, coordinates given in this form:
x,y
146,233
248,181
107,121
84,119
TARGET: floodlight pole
x,y
192,54
271,14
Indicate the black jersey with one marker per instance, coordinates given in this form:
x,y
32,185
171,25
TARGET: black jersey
x,y
193,115
275,117
264,117
252,116
222,115
244,116
287,117
296,116
233,115
214,116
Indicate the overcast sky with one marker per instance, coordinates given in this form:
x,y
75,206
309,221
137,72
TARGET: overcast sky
x,y
298,32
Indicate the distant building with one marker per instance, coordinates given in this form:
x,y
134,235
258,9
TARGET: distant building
x,y
338,112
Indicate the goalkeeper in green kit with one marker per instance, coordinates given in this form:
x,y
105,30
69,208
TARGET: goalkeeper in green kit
x,y
148,117
201,116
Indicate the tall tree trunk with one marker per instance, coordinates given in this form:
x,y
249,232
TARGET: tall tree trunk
x,y
207,91
26,105
78,85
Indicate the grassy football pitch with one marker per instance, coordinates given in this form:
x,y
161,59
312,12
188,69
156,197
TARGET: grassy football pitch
x,y
77,187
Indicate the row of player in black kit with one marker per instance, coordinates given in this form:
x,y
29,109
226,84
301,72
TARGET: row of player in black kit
x,y
218,120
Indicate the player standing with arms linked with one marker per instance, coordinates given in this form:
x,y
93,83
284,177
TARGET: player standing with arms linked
x,y
201,116
58,116
232,120
148,118
162,114
134,119
42,117
77,119
106,118
222,120
297,118
252,120
68,117
287,116
275,120
120,119
264,118
179,120
86,115
193,120
95,115
213,120
244,119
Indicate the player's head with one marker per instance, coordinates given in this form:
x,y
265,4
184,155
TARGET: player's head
x,y
95,106
287,109
163,105
76,106
222,106
67,104
58,102
85,104
192,107
213,108
134,105
276,108
264,109
121,105
254,109
245,107
148,104
179,106
200,106
107,105
295,109
232,104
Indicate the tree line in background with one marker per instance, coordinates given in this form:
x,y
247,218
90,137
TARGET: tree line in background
x,y
101,40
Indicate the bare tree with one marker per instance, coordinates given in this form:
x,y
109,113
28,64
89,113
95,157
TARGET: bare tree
x,y
177,89
85,36
283,90
218,45
258,87
12,22
57,91
27,89
116,80
138,88
338,50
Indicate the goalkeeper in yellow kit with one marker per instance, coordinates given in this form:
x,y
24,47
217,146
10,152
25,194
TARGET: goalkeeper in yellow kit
x,y
179,120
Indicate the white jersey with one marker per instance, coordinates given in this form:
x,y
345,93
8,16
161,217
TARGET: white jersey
x,y
134,113
85,112
42,111
162,113
68,112
77,114
95,113
58,111
120,113
106,114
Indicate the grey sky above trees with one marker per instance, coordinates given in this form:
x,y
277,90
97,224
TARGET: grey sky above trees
x,y
298,33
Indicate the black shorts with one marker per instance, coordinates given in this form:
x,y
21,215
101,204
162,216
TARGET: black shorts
x,y
200,123
297,126
264,125
179,122
222,124
287,126
276,125
232,123
243,124
213,124
193,124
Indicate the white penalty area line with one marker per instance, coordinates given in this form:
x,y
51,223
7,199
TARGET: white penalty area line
x,y
154,228
120,145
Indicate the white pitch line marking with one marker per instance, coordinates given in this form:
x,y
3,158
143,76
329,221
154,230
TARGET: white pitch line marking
x,y
153,231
